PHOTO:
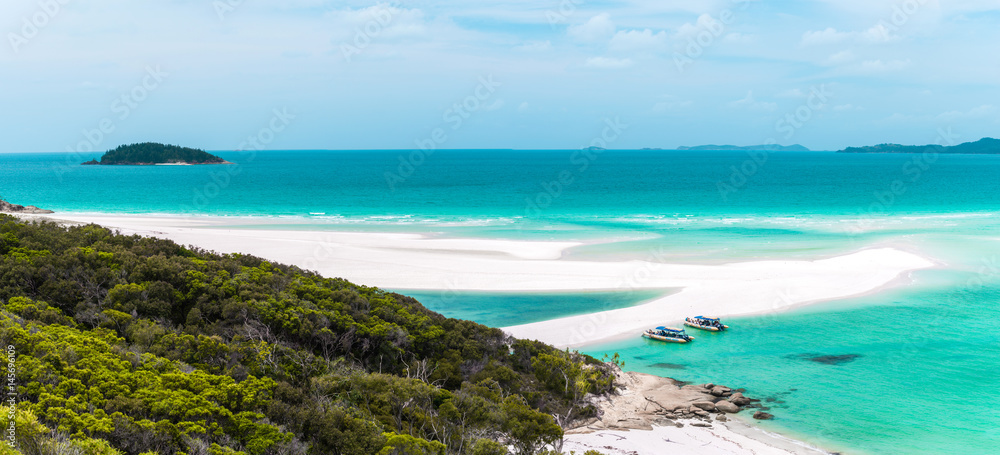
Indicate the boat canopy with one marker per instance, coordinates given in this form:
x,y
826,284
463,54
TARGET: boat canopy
x,y
670,329
706,318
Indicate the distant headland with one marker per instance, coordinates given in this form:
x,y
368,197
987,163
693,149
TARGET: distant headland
x,y
7,207
150,153
771,147
984,146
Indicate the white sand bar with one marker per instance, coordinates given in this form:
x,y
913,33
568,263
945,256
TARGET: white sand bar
x,y
410,261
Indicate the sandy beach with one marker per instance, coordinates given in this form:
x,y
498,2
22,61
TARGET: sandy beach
x,y
729,438
411,261
648,415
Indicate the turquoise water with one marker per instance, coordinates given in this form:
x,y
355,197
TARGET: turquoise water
x,y
904,372
616,189
525,308
909,370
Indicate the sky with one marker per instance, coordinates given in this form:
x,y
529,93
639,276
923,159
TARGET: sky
x,y
81,75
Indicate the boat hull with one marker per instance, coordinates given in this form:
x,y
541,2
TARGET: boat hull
x,y
665,339
710,329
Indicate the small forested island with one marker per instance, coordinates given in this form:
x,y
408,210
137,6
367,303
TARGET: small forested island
x,y
984,146
149,153
772,147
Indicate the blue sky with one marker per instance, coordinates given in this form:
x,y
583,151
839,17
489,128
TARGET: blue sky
x,y
496,74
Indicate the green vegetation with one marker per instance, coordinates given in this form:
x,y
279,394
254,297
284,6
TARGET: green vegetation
x,y
133,345
982,146
153,153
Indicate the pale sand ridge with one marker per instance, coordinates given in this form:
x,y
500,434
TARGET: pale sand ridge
x,y
409,261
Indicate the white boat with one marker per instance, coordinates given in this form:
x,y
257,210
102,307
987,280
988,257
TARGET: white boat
x,y
706,323
668,334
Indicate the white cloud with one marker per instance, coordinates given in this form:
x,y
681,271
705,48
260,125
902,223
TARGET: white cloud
x,y
879,33
878,66
899,117
608,62
884,9
523,107
667,106
534,46
840,58
822,37
739,38
383,21
793,93
597,29
704,22
847,107
981,112
638,41
751,103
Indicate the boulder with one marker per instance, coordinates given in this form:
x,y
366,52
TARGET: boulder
x,y
721,418
703,405
701,413
720,390
701,424
727,407
709,386
739,400
761,415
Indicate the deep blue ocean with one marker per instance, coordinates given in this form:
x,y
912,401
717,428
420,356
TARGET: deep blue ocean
x,y
911,370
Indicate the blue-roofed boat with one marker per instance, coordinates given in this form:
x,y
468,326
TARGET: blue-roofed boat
x,y
706,323
668,334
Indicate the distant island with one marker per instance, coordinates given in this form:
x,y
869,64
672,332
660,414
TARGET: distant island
x,y
983,146
772,147
149,153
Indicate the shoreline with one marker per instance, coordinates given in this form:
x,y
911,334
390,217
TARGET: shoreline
x,y
648,411
421,262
